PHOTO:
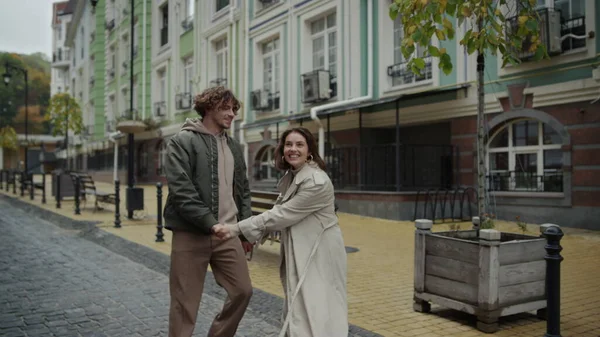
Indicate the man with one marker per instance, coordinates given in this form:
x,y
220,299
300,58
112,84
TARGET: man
x,y
207,181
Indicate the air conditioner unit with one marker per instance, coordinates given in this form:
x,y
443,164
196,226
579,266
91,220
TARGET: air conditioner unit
x,y
260,99
554,33
315,86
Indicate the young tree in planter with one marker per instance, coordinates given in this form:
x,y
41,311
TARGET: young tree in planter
x,y
490,32
64,114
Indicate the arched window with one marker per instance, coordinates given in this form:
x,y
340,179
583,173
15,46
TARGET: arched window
x,y
525,155
265,166
162,158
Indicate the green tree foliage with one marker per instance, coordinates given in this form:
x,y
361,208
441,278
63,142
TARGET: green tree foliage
x,y
8,137
64,114
423,19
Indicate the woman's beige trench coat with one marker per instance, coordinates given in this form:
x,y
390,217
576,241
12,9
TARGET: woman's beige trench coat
x,y
312,251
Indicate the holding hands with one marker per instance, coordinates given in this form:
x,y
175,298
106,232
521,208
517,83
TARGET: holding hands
x,y
224,231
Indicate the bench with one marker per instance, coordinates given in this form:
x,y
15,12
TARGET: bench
x,y
87,187
262,201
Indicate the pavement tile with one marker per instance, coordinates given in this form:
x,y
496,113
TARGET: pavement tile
x,y
380,274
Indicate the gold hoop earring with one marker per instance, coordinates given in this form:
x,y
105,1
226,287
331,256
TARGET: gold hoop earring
x,y
310,157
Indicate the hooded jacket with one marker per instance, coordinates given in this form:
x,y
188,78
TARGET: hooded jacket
x,y
196,169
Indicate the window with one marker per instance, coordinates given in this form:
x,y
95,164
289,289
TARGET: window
x,y
135,93
270,52
399,72
221,57
188,74
265,168
125,52
82,44
525,155
220,4
190,8
164,27
59,31
324,48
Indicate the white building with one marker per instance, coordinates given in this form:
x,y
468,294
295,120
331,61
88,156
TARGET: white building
x,y
61,58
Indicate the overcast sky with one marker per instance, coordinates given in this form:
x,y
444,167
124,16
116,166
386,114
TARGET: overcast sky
x,y
25,26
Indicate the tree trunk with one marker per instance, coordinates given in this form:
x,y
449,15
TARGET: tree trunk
x,y
481,209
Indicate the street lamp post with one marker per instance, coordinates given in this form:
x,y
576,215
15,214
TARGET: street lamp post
x,y
7,77
130,137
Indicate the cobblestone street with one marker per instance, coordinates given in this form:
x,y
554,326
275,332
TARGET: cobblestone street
x,y
53,282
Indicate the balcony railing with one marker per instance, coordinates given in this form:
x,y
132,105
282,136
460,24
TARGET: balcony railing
x,y
111,73
61,55
110,24
263,100
130,115
160,109
525,182
402,75
183,101
109,126
219,82
164,36
187,24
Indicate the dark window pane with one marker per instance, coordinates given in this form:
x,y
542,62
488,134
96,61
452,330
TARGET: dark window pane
x,y
551,136
499,161
553,160
525,133
500,140
526,162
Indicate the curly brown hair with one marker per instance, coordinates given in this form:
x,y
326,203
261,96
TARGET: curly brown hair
x,y
215,98
311,142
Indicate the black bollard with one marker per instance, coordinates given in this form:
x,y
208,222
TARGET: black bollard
x,y
1,179
117,204
31,187
58,197
43,187
159,226
77,192
553,235
14,180
22,184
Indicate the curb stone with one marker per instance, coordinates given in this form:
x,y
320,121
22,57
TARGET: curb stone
x,y
264,305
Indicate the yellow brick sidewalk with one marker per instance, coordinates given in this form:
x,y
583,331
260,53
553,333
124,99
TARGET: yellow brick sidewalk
x,y
380,274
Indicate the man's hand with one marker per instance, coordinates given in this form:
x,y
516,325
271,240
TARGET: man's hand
x,y
225,232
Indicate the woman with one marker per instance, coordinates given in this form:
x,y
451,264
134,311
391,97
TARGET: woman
x,y
313,257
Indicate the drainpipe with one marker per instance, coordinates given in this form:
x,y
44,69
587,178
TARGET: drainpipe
x,y
114,138
143,52
246,80
315,110
233,68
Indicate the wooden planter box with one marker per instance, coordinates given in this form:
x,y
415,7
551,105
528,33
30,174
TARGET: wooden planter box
x,y
496,274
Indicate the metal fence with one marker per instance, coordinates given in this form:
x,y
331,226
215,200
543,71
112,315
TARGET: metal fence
x,y
374,167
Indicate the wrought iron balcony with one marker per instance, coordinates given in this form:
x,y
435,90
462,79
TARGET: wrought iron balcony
x,y
525,182
160,109
401,74
187,24
219,82
111,73
110,25
130,115
109,126
263,100
574,26
183,101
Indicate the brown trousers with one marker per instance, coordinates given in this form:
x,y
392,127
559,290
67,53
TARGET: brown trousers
x,y
190,256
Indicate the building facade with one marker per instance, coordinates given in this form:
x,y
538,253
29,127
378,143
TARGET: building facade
x,y
391,138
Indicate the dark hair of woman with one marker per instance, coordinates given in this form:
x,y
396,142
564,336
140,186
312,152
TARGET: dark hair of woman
x,y
311,142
